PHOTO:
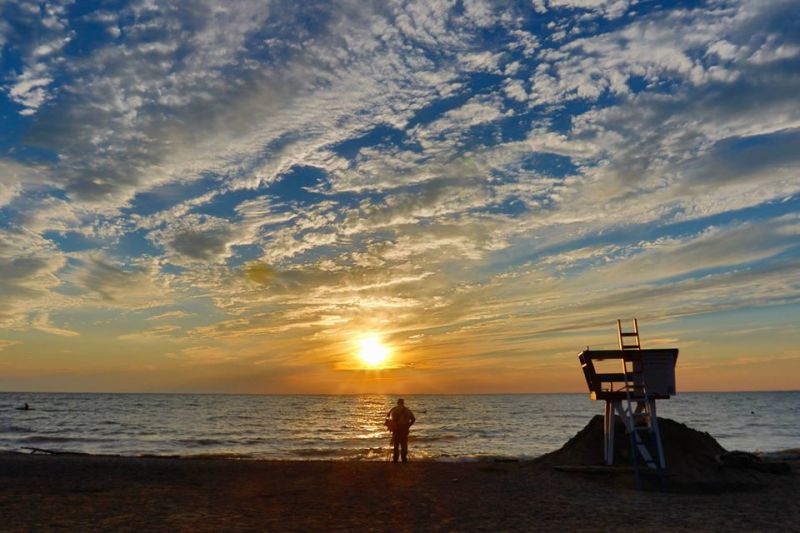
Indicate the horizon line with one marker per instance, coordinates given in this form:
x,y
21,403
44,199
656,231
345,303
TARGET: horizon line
x,y
180,393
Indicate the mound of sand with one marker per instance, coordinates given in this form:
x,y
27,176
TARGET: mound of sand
x,y
693,460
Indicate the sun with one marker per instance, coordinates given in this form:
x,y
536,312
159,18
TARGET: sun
x,y
372,351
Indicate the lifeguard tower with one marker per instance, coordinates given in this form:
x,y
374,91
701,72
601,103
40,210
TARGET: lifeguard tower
x,y
647,376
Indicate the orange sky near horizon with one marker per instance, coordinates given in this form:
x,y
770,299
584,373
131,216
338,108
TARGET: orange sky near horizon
x,y
474,362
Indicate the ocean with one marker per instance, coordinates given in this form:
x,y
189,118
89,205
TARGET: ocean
x,y
310,427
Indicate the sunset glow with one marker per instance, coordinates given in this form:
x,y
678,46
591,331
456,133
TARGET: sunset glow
x,y
372,351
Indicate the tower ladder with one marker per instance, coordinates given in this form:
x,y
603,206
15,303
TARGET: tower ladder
x,y
641,423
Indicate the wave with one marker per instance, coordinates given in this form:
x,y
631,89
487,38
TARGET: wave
x,y
433,438
384,454
310,454
203,442
229,440
55,438
342,453
14,429
222,455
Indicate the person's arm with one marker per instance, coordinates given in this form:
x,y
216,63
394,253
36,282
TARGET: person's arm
x,y
413,418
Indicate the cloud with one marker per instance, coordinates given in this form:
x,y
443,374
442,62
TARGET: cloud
x,y
165,331
170,314
608,8
682,45
724,268
134,287
8,191
29,268
5,343
434,171
29,90
259,273
16,178
31,87
457,122
42,322
212,125
192,239
209,243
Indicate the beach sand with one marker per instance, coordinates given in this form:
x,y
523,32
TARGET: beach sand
x,y
100,493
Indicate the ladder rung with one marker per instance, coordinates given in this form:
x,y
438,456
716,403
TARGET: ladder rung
x,y
629,334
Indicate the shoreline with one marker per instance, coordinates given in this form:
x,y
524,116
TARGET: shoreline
x,y
119,493
25,450
791,455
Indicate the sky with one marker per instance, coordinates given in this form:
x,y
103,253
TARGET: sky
x,y
231,196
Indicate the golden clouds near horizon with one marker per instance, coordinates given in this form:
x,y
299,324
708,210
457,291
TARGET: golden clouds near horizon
x,y
372,352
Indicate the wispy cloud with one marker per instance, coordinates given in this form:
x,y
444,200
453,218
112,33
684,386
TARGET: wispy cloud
x,y
5,343
42,322
112,285
170,315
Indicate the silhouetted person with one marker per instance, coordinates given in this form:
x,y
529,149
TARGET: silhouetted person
x,y
399,420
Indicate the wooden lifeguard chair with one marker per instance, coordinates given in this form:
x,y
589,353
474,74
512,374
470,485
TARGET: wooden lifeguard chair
x,y
647,376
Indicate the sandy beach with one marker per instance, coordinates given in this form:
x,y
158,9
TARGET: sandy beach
x,y
100,493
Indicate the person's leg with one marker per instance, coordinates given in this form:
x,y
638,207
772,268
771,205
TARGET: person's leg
x,y
396,445
404,444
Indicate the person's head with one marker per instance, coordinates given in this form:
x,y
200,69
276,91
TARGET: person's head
x,y
401,402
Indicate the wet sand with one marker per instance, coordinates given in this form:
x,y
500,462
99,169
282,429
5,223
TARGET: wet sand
x,y
97,493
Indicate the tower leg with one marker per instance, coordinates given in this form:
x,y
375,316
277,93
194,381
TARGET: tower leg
x,y
656,433
609,424
606,416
